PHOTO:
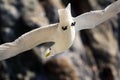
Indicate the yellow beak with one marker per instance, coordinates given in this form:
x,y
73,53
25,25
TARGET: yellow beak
x,y
47,54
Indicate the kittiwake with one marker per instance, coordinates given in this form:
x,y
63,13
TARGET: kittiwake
x,y
62,33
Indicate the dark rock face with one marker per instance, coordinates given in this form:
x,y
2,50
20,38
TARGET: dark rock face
x,y
60,69
9,13
106,74
118,30
16,18
101,43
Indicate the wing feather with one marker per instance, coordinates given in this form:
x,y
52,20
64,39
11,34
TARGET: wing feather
x,y
93,18
27,41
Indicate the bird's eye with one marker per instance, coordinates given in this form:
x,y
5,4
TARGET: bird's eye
x,y
64,28
73,23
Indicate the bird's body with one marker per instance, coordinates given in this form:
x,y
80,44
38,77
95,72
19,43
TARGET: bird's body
x,y
63,39
62,33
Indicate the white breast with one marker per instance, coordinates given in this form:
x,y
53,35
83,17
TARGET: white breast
x,y
63,40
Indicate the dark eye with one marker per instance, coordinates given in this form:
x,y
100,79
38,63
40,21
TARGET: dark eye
x,y
73,23
64,28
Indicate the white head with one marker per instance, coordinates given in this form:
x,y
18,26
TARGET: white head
x,y
65,17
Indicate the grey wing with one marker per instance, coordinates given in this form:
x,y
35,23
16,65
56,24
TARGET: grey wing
x,y
27,41
91,19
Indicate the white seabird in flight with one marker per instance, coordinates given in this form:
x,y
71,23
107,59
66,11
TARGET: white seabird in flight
x,y
62,33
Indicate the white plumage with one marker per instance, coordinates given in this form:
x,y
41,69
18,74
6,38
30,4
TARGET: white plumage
x,y
93,18
62,33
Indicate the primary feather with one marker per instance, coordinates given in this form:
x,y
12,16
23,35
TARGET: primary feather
x,y
93,18
27,41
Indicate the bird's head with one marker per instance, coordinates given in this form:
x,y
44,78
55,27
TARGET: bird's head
x,y
65,17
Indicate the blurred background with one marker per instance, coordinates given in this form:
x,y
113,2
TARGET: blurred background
x,y
95,54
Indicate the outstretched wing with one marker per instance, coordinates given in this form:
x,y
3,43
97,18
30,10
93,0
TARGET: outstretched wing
x,y
27,41
91,19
